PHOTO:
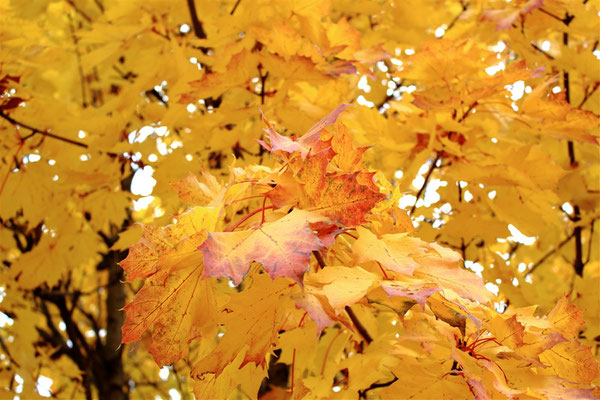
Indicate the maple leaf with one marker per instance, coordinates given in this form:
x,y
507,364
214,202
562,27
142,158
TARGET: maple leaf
x,y
174,304
252,319
283,247
342,198
141,262
307,141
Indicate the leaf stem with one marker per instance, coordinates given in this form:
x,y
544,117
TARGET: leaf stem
x,y
319,258
247,217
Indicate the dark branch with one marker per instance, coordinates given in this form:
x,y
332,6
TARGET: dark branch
x,y
536,47
196,24
359,326
548,254
433,166
235,6
79,11
41,132
455,20
362,394
319,258
79,66
588,94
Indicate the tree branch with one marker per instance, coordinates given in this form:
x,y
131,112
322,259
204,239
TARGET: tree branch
x,y
196,24
358,325
433,166
319,258
41,132
79,11
79,66
235,6
548,254
362,394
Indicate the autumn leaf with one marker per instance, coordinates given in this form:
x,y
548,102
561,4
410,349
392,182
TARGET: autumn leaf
x,y
283,247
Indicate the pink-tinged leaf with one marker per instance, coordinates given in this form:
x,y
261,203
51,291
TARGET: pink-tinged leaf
x,y
305,144
277,141
478,387
314,134
417,292
318,309
282,247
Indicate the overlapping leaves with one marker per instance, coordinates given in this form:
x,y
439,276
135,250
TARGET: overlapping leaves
x,y
316,222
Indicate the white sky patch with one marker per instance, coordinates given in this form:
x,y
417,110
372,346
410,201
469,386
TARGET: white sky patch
x,y
498,47
409,52
408,201
441,31
516,90
143,182
567,207
34,158
398,174
81,134
517,236
185,28
492,288
20,382
494,69
546,45
467,196
363,84
382,67
174,394
431,195
5,320
43,386
364,102
475,267
556,89
141,134
164,373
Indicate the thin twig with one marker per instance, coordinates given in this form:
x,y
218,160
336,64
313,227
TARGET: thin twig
x,y
235,6
433,166
536,47
455,20
196,24
79,11
79,66
358,325
362,394
319,258
44,133
548,254
588,94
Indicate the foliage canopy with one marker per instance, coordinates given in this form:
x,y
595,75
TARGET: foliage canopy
x,y
299,199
